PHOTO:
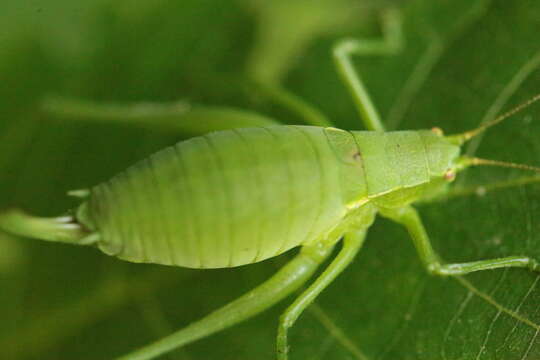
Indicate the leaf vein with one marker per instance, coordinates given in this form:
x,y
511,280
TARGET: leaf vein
x,y
494,303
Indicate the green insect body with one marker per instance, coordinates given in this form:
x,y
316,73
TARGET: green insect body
x,y
237,197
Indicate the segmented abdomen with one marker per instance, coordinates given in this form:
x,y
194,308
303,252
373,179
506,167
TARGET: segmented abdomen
x,y
224,199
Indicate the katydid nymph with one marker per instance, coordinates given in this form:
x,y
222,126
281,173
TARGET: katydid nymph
x,y
240,196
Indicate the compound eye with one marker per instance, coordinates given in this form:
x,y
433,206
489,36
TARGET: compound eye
x,y
437,131
449,175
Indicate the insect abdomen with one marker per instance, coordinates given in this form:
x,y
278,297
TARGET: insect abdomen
x,y
225,199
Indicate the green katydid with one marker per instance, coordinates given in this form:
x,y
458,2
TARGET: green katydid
x,y
240,196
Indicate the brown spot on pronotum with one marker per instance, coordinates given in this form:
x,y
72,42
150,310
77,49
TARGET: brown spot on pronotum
x,y
356,156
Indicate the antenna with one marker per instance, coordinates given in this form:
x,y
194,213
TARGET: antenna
x,y
467,161
463,137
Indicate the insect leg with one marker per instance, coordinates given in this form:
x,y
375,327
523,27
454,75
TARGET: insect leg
x,y
310,114
408,216
344,49
179,116
351,245
288,279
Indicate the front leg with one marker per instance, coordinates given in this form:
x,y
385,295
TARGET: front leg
x,y
408,217
342,52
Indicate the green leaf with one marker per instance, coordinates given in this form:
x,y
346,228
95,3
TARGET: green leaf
x,y
463,59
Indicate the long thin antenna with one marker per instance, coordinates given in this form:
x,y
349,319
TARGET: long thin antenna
x,y
473,161
463,137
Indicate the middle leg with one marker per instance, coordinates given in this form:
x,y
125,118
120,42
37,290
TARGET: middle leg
x,y
352,243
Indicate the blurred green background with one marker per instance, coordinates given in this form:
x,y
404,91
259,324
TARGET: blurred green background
x,y
463,59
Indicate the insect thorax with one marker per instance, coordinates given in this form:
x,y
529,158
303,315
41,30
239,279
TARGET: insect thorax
x,y
392,169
